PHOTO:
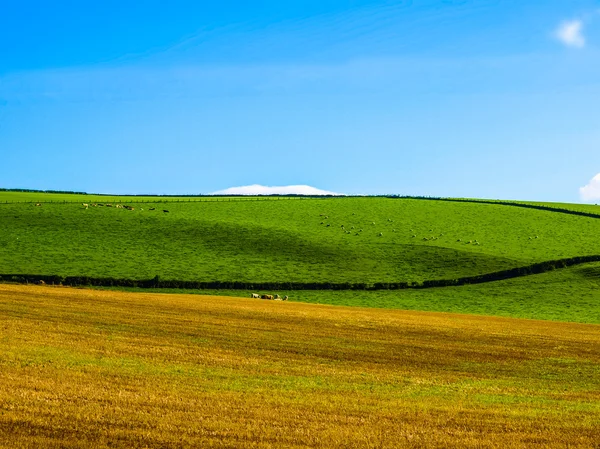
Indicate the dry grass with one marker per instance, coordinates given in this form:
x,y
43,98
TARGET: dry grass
x,y
82,368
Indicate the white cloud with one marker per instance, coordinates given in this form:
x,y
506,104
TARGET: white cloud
x,y
257,189
570,33
591,191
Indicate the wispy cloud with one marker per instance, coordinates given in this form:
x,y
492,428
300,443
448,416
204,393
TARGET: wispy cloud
x,y
257,189
570,33
591,191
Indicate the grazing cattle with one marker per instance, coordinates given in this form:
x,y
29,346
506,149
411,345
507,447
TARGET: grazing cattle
x,y
267,296
165,211
41,282
255,296
109,205
277,297
118,206
381,234
328,225
153,208
39,204
285,298
85,205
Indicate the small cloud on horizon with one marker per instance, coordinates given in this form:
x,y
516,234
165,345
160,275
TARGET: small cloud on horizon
x,y
591,191
257,189
570,33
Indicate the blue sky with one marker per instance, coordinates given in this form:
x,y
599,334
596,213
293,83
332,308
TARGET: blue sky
x,y
476,98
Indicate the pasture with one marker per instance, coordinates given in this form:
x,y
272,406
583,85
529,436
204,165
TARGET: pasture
x,y
297,240
84,368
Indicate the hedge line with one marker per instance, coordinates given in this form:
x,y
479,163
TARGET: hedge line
x,y
505,203
156,282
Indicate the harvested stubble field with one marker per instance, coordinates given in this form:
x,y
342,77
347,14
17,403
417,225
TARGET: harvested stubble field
x,y
83,368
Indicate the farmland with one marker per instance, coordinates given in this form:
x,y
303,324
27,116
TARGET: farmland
x,y
85,368
296,240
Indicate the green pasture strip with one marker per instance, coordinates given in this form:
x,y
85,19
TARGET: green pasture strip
x,y
60,198
584,210
156,282
570,295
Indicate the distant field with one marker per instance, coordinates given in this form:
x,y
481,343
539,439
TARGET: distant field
x,y
572,294
284,240
84,368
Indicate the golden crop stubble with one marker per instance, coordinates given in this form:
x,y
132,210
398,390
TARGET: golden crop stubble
x,y
83,368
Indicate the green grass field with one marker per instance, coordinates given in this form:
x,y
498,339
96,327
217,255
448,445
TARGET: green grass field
x,y
284,240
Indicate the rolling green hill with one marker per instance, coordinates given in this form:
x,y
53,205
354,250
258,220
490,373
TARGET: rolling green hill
x,y
296,240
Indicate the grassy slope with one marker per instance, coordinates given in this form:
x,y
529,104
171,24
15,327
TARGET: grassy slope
x,y
183,371
281,240
572,294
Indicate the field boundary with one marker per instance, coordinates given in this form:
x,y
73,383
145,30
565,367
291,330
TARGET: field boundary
x,y
156,282
504,203
220,199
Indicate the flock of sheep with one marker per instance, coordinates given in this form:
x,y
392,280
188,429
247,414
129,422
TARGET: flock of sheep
x,y
118,206
270,297
389,220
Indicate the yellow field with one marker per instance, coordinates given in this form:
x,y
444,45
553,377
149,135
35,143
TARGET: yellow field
x,y
81,368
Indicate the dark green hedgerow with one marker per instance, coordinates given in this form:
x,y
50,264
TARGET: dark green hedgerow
x,y
156,282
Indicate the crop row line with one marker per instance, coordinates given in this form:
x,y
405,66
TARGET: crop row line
x,y
156,282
